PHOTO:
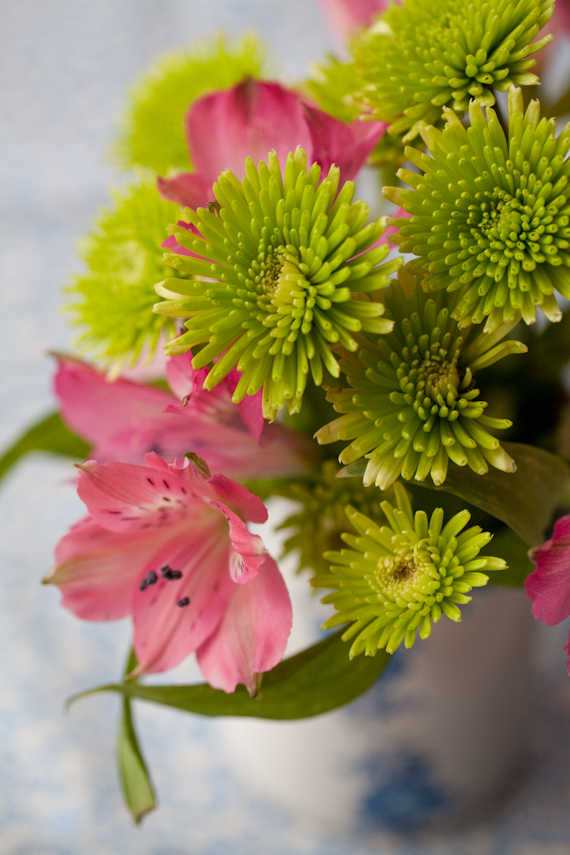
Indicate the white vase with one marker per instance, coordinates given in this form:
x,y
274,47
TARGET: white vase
x,y
437,738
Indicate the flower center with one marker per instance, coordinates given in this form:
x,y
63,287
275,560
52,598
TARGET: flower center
x,y
270,268
517,226
431,382
284,294
397,574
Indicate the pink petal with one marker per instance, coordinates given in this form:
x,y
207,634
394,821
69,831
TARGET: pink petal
x,y
189,190
560,21
248,550
182,378
147,368
97,569
345,16
227,448
253,633
236,495
248,120
174,245
123,497
251,408
168,434
97,408
347,146
549,584
173,617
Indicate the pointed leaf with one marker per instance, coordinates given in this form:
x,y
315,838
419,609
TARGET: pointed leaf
x,y
135,782
137,788
525,500
49,434
313,682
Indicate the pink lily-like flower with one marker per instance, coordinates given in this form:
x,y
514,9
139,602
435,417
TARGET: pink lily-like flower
x,y
249,120
549,584
346,16
165,544
123,420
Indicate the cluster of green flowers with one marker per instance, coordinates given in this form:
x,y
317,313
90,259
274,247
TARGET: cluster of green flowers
x,y
284,278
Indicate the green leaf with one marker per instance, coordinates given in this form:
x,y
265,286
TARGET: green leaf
x,y
508,545
49,434
525,500
313,682
133,773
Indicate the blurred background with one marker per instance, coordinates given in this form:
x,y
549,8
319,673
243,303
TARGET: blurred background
x,y
64,69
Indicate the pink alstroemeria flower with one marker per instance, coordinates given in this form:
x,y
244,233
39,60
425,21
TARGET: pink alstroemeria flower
x,y
123,420
164,543
549,585
346,16
249,120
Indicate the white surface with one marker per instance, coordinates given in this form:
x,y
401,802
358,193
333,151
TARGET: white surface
x,y
64,66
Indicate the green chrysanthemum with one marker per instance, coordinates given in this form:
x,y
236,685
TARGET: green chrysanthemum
x,y
318,525
331,84
281,275
413,405
426,54
152,133
113,299
397,579
492,217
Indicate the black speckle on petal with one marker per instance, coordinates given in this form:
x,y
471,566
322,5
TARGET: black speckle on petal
x,y
151,578
168,573
185,601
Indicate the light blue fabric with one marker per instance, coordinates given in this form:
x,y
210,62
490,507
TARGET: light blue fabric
x,y
64,66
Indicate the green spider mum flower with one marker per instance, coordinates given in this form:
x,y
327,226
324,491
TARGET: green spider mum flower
x,y
413,405
283,273
152,132
398,579
331,84
426,54
113,299
492,217
318,525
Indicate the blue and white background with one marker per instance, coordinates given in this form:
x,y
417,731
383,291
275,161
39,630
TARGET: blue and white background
x,y
64,68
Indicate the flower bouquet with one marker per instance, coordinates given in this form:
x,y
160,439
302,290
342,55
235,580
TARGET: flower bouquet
x,y
254,333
